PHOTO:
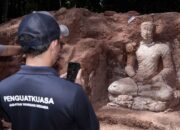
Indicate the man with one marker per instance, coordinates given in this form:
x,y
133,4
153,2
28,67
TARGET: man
x,y
35,98
9,50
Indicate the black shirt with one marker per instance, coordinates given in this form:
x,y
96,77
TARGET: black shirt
x,y
35,98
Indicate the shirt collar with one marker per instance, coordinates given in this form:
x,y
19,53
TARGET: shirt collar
x,y
25,69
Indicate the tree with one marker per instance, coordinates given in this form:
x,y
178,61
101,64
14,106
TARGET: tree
x,y
4,16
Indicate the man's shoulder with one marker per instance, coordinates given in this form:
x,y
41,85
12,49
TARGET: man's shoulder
x,y
67,86
67,92
70,85
7,81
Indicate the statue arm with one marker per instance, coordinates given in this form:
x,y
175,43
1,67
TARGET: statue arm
x,y
167,65
131,57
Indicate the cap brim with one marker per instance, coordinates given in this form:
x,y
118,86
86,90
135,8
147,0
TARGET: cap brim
x,y
64,30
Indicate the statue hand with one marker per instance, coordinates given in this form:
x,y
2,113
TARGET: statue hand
x,y
147,81
157,78
137,78
157,85
129,71
130,47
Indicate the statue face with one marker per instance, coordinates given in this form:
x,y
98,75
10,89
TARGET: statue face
x,y
147,29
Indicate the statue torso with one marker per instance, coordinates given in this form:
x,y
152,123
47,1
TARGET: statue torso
x,y
148,57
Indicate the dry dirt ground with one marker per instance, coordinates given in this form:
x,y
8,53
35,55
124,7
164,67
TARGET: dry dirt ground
x,y
105,126
125,119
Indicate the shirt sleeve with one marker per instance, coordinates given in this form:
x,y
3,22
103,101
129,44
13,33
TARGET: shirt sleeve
x,y
84,114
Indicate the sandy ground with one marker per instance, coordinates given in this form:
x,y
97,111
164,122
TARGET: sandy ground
x,y
105,126
126,119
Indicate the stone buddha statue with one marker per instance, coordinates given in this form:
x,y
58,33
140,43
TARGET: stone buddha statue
x,y
150,86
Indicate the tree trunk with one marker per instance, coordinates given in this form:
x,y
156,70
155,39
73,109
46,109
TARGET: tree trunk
x,y
5,10
60,4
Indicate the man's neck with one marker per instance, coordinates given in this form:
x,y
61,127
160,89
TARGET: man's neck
x,y
38,61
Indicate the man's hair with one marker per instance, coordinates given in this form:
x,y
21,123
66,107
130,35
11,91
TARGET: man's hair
x,y
33,50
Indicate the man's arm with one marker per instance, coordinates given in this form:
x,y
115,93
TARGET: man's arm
x,y
9,50
83,112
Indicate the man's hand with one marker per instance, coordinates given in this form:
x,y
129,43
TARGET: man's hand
x,y
6,125
177,93
63,76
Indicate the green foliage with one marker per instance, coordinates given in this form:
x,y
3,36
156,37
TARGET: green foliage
x,y
31,6
15,8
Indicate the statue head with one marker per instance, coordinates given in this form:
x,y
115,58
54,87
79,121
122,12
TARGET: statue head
x,y
147,30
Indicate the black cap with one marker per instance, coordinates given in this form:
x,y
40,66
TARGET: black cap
x,y
40,28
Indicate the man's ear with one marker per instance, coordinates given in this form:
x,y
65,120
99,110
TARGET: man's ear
x,y
54,44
